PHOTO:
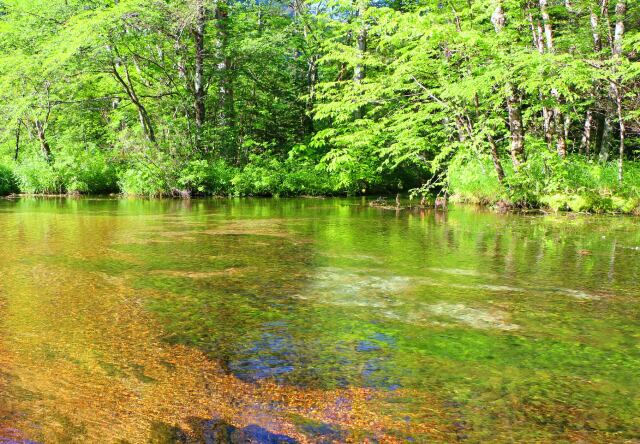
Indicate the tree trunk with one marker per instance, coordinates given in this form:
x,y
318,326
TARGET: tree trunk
x,y
604,143
585,143
604,13
359,71
498,18
517,130
143,115
547,119
599,135
44,144
312,81
621,9
17,151
547,114
622,129
226,86
558,119
495,157
516,127
546,20
301,11
597,42
460,128
198,87
561,142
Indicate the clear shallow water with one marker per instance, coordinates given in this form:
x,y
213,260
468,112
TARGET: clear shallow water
x,y
315,321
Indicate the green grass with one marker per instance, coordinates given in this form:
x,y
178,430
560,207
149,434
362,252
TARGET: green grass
x,y
475,182
544,181
87,172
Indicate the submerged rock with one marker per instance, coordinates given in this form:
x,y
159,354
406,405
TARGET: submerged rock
x,y
218,432
273,356
257,435
367,346
323,433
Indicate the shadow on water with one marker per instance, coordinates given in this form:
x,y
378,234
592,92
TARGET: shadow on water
x,y
216,432
219,432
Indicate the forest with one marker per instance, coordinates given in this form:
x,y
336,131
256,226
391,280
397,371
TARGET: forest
x,y
525,103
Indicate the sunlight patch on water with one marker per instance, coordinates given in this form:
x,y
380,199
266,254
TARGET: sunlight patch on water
x,y
506,288
337,281
473,317
362,289
578,294
458,271
339,287
355,257
251,227
200,274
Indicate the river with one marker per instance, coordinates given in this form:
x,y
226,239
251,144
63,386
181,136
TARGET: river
x,y
315,320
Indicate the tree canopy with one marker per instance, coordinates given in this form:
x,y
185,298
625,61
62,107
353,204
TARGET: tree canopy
x,y
521,99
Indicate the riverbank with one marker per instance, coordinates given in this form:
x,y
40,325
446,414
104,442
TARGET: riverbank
x,y
547,184
551,184
381,203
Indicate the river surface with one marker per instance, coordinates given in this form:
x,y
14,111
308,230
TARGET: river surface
x,y
319,321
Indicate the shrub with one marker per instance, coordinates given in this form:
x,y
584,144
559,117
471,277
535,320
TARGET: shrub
x,y
571,184
260,177
86,171
264,176
148,181
7,181
474,181
165,177
36,176
207,177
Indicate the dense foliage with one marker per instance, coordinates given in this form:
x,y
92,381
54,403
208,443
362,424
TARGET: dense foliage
x,y
532,102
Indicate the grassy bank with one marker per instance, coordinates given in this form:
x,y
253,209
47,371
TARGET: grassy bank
x,y
547,182
544,181
97,174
